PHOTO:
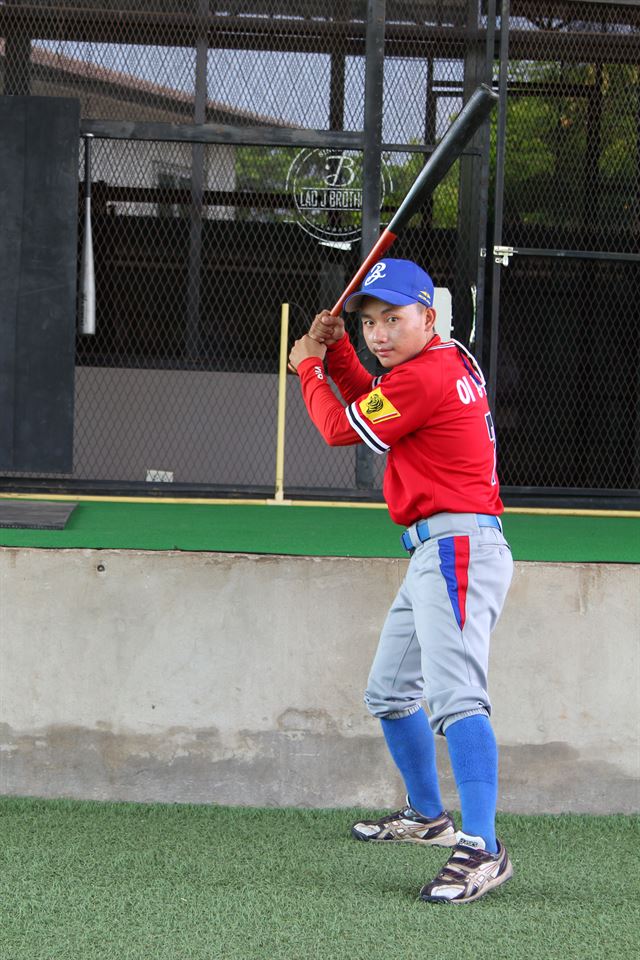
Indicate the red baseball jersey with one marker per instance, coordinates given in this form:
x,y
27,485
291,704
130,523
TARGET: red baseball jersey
x,y
429,414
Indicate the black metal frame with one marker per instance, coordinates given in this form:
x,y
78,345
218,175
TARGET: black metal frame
x,y
511,45
478,48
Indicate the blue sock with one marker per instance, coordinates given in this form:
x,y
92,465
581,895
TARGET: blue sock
x,y
413,748
474,759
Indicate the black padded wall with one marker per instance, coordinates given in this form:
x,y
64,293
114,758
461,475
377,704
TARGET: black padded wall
x,y
38,263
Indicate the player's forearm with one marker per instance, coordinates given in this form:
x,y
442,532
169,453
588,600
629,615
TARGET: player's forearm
x,y
349,375
324,408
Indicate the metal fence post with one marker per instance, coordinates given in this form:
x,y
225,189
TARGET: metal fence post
x,y
373,90
497,232
472,197
480,306
197,189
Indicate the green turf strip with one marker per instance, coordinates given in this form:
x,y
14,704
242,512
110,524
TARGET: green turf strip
x,y
314,531
91,881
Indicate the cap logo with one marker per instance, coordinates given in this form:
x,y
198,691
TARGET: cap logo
x,y
425,295
376,273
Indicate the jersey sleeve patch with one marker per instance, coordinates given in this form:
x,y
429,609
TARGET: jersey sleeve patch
x,y
377,408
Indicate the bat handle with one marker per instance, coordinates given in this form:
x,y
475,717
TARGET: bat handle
x,y
88,137
380,247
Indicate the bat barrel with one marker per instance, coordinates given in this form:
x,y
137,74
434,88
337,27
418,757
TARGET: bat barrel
x,y
469,120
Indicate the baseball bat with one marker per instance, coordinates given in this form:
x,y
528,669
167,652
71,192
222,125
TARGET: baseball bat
x,y
87,269
471,117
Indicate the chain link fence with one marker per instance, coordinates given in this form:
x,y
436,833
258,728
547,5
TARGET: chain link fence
x,y
231,173
568,343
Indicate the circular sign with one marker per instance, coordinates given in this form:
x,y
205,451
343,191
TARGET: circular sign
x,y
327,187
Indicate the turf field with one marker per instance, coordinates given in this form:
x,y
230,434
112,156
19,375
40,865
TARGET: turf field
x,y
91,881
346,530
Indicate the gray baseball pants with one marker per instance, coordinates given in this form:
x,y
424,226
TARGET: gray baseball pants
x,y
434,645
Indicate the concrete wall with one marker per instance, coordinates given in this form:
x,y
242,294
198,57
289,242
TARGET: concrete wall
x,y
238,679
205,427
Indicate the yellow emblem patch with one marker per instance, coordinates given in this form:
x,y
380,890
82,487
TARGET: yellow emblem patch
x,y
376,407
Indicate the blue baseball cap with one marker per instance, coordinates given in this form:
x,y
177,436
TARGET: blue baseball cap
x,y
395,281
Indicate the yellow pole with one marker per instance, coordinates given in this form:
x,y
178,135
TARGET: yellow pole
x,y
282,401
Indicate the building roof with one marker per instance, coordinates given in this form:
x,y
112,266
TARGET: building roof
x,y
92,80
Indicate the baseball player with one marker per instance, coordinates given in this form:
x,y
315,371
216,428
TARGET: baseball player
x,y
429,413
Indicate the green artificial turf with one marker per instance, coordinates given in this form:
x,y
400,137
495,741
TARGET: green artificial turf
x,y
314,531
92,881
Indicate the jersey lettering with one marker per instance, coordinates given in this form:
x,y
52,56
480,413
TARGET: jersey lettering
x,y
469,391
376,407
464,391
480,388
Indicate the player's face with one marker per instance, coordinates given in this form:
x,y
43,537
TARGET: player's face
x,y
396,334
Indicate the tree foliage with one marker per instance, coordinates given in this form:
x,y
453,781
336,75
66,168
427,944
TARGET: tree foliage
x,y
572,155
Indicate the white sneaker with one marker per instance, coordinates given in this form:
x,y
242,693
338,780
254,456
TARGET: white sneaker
x,y
470,872
408,826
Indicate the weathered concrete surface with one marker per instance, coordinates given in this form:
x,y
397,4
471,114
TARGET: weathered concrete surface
x,y
238,679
